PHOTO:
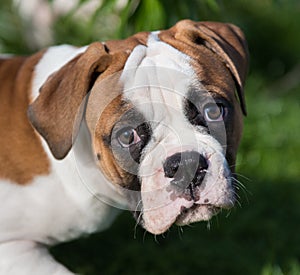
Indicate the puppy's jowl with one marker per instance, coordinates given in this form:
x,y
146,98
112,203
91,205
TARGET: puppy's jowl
x,y
150,124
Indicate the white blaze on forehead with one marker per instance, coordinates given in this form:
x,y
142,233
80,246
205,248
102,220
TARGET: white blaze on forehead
x,y
156,73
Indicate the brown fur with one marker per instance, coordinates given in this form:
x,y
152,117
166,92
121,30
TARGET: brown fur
x,y
220,59
219,56
226,41
54,112
21,153
108,162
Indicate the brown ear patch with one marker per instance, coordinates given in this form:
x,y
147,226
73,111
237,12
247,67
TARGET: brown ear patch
x,y
225,40
54,111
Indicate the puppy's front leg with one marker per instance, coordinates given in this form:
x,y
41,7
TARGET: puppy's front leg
x,y
28,258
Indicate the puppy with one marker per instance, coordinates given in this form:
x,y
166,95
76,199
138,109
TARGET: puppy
x,y
150,124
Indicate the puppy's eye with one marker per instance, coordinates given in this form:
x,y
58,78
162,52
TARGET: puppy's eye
x,y
127,137
214,112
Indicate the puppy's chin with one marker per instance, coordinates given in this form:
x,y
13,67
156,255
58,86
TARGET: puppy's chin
x,y
162,209
186,216
196,213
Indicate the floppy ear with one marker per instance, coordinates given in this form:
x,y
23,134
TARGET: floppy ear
x,y
54,112
225,40
229,43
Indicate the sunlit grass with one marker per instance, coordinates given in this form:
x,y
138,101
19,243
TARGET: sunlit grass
x,y
293,269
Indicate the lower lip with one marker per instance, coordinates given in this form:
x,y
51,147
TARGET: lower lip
x,y
185,212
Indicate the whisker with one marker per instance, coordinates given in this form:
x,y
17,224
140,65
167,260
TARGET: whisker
x,y
240,186
136,225
228,214
208,225
238,202
242,176
239,183
180,232
189,225
138,219
155,238
137,206
144,236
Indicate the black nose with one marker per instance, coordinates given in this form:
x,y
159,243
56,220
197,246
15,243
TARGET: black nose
x,y
187,168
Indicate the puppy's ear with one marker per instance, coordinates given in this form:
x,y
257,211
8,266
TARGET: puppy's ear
x,y
229,43
54,112
225,40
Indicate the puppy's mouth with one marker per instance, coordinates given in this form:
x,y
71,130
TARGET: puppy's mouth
x,y
174,198
192,214
163,208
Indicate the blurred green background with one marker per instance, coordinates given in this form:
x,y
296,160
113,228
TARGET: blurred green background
x,y
261,235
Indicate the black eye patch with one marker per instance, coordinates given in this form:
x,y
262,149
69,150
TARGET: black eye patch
x,y
193,107
128,154
194,114
209,110
144,132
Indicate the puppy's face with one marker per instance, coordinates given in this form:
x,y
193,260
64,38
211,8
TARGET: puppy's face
x,y
166,138
164,115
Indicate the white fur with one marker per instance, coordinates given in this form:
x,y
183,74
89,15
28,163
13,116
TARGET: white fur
x,y
53,59
53,208
73,199
28,258
156,79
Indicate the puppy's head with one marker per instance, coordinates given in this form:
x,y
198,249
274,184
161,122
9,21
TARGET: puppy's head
x,y
164,115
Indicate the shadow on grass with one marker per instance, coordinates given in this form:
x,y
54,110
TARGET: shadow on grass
x,y
264,231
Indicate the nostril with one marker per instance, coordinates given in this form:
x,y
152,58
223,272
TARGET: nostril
x,y
202,162
171,165
201,171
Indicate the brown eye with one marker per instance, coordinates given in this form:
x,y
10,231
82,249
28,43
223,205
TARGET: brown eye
x,y
214,112
127,137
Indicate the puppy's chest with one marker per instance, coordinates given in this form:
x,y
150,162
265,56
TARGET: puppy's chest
x,y
53,208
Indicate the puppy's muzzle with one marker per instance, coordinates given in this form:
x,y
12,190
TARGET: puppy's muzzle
x,y
187,169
